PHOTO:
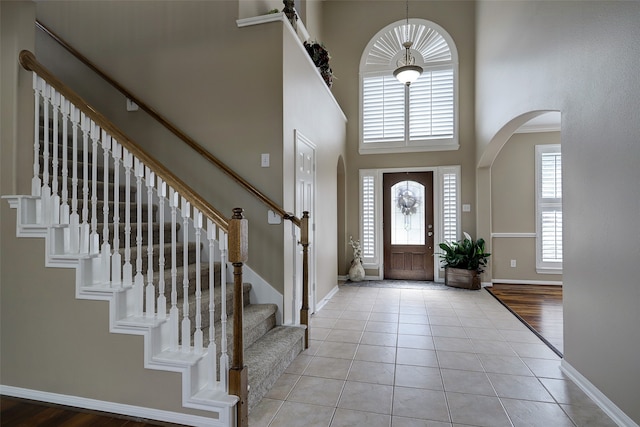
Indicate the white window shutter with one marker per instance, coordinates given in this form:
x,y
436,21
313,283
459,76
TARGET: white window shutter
x,y
383,109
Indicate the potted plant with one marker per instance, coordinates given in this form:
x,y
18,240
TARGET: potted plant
x,y
463,262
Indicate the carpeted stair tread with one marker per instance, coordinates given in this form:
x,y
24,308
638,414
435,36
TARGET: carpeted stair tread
x,y
269,357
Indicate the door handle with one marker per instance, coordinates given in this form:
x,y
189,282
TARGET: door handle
x,y
430,233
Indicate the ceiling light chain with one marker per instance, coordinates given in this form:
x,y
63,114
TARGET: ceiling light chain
x,y
407,72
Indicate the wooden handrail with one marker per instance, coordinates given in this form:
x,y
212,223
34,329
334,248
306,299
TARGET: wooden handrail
x,y
173,129
30,63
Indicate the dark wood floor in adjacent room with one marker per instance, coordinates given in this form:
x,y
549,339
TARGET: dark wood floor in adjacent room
x,y
19,412
540,306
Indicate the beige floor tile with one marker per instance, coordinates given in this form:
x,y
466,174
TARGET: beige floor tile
x,y
319,334
383,317
414,318
567,392
492,347
283,386
453,344
519,387
448,331
510,365
307,390
545,368
375,353
467,382
588,416
414,422
299,364
327,312
459,360
322,322
366,397
535,414
384,327
418,377
371,372
328,367
344,335
424,342
537,351
414,329
472,409
379,338
349,418
355,315
264,412
350,324
484,333
444,320
420,403
293,414
416,357
340,350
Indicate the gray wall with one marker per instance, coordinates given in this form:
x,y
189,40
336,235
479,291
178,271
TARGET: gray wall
x,y
579,58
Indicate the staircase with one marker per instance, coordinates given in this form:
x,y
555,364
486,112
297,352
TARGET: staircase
x,y
156,254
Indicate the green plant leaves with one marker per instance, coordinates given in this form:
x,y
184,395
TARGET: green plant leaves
x,y
466,254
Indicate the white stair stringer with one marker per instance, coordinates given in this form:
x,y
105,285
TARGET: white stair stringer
x,y
194,367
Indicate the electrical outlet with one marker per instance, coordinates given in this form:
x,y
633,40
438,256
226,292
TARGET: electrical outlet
x,y
513,263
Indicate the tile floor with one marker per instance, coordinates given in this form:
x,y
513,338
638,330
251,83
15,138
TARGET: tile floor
x,y
428,358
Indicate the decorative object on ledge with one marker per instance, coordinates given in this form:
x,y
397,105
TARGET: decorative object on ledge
x,y
290,12
463,262
356,272
407,71
320,57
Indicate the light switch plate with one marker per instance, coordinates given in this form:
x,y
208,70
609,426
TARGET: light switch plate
x,y
264,160
466,207
273,218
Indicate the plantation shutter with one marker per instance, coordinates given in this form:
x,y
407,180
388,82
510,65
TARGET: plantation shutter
x,y
431,105
383,109
368,216
450,207
551,206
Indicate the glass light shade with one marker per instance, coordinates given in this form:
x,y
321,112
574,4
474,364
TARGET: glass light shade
x,y
407,74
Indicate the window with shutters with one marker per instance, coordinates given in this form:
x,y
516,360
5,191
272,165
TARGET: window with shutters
x,y
446,209
549,209
420,117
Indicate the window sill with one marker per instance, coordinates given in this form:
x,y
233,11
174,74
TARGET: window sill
x,y
548,270
371,148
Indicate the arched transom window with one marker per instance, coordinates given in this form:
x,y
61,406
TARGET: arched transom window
x,y
420,117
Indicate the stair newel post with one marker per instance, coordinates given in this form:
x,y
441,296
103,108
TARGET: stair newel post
x,y
105,250
151,290
46,189
304,241
174,198
139,279
186,322
223,245
36,182
238,255
94,246
197,337
55,197
127,269
84,226
116,258
212,348
162,299
74,217
64,208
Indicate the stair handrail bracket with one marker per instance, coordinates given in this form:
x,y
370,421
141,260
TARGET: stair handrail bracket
x,y
137,235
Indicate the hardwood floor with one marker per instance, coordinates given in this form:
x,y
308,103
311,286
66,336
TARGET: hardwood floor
x,y
539,306
19,412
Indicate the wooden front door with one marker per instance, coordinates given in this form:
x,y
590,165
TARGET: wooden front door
x,y
408,225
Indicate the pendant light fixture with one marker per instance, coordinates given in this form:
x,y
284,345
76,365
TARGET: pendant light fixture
x,y
407,71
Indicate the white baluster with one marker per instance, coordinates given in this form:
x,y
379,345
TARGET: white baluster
x,y
116,258
186,322
64,209
212,348
198,338
173,312
162,299
224,356
127,270
36,182
84,226
74,218
151,290
94,246
139,279
55,197
46,188
105,250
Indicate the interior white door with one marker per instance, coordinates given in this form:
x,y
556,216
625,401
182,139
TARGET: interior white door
x,y
305,201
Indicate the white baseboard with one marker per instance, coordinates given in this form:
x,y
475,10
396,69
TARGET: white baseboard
x,y
526,282
610,408
109,407
326,299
